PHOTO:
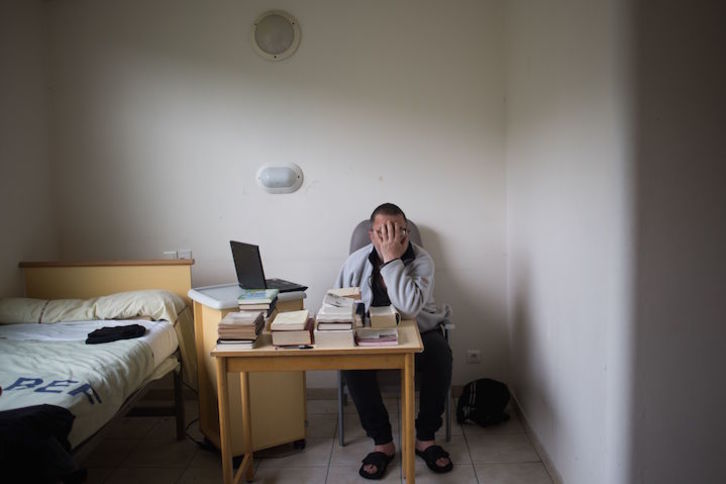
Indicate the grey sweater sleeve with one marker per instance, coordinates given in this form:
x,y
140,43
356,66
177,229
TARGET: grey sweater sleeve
x,y
409,287
350,273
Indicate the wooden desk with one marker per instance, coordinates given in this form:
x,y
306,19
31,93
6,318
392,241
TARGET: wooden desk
x,y
266,358
278,402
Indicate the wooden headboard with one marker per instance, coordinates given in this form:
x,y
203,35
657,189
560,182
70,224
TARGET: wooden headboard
x,y
81,280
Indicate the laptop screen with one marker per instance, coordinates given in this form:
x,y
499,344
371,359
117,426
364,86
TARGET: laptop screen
x,y
248,265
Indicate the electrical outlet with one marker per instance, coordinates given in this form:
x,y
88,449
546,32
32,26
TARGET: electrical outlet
x,y
473,356
170,254
185,253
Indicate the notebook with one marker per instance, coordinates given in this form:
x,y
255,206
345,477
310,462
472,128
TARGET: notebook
x,y
251,275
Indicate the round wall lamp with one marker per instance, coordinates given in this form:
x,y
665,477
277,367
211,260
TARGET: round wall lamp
x,y
280,178
275,35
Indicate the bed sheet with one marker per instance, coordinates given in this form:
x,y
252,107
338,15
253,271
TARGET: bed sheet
x,y
92,381
160,335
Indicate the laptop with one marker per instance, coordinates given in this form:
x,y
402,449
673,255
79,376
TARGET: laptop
x,y
251,275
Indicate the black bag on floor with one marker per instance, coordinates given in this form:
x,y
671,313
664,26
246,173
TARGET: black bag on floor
x,y
483,402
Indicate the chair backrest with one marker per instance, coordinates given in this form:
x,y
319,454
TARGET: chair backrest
x,y
360,235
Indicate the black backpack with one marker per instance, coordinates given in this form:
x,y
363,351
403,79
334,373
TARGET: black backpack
x,y
483,402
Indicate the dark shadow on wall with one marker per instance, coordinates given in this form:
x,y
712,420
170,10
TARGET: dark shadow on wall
x,y
679,300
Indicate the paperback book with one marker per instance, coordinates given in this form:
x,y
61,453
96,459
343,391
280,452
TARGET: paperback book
x,y
257,296
290,337
384,316
376,337
290,321
334,339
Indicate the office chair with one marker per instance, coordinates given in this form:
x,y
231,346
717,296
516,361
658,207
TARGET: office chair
x,y
360,239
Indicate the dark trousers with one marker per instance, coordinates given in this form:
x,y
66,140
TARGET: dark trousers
x,y
433,368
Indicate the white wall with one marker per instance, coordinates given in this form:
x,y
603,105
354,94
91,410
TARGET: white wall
x,y
679,398
28,226
568,228
163,113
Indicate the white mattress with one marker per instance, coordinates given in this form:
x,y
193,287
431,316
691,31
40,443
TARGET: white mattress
x,y
160,335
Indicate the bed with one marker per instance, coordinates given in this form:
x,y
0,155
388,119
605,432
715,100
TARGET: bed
x,y
50,363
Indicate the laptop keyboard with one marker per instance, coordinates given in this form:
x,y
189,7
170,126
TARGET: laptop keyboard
x,y
281,284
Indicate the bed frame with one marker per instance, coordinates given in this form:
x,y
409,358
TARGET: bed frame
x,y
82,280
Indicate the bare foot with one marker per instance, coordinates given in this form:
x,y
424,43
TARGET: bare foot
x,y
389,449
422,445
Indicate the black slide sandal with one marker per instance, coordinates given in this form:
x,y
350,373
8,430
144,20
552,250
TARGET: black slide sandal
x,y
431,455
378,459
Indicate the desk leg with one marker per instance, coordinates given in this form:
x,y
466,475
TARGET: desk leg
x,y
404,418
224,430
247,461
408,409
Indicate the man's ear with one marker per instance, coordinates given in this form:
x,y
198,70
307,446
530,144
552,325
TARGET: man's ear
x,y
371,235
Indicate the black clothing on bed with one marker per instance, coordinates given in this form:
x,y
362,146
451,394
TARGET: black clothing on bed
x,y
108,334
34,444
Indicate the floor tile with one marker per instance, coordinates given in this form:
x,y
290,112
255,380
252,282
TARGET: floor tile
x,y
132,428
506,448
523,473
206,459
458,451
456,429
149,475
322,406
321,425
191,410
392,405
164,429
349,474
202,475
111,453
331,406
511,426
162,453
192,431
460,474
291,475
206,467
316,453
97,475
354,431
144,449
355,450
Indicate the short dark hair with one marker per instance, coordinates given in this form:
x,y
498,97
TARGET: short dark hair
x,y
387,209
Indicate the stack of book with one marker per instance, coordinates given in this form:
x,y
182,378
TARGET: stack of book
x,y
258,300
337,318
384,317
292,328
264,300
239,330
376,337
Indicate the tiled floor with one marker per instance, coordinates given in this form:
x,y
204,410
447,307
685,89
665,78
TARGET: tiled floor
x,y
144,449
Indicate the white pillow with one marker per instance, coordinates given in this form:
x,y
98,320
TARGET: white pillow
x,y
156,304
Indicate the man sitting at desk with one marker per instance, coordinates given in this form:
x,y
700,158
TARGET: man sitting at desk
x,y
392,270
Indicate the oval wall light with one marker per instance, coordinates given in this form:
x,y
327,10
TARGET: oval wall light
x,y
280,178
